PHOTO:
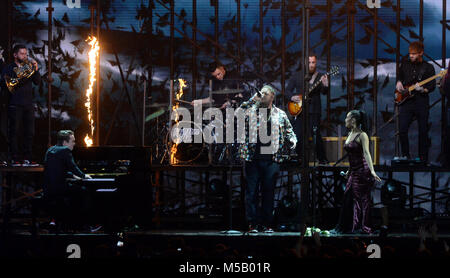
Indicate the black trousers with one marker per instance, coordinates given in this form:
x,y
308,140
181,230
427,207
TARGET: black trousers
x,y
17,116
314,129
73,205
263,172
418,108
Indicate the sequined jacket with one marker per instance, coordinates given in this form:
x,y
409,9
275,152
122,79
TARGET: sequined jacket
x,y
285,133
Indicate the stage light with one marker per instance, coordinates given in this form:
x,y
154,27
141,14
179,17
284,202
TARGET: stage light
x,y
288,206
393,194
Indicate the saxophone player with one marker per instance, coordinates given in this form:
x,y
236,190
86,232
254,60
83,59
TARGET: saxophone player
x,y
21,73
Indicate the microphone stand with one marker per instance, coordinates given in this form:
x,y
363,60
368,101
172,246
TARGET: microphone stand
x,y
313,180
230,230
305,84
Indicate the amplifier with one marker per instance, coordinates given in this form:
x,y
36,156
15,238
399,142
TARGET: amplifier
x,y
334,149
407,162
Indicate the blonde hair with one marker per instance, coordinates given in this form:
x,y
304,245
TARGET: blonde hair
x,y
269,88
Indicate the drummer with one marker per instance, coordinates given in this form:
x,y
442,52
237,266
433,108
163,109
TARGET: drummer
x,y
222,80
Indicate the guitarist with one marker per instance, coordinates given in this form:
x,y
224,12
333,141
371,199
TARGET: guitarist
x,y
292,93
445,83
411,72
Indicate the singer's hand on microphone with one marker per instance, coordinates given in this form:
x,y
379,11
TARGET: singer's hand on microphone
x,y
293,146
256,97
344,174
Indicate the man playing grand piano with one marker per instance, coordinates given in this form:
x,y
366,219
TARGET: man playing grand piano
x,y
62,197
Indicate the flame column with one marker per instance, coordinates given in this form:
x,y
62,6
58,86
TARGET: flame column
x,y
97,114
175,105
93,56
95,21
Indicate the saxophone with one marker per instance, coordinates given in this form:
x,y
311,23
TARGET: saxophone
x,y
24,71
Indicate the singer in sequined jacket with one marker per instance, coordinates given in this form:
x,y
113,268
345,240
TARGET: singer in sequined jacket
x,y
285,139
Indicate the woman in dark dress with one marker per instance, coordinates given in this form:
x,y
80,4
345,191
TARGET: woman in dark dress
x,y
361,174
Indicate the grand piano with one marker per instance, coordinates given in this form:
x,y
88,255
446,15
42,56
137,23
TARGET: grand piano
x,y
120,188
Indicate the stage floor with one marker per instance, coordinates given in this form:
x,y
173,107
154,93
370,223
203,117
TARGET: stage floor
x,y
204,244
215,233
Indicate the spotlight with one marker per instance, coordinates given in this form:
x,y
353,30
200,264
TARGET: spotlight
x,y
120,241
393,194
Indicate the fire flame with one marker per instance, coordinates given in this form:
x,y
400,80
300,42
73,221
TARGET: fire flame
x,y
173,150
182,84
88,141
93,54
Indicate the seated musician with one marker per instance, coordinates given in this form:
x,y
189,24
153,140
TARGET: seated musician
x,y
59,165
223,80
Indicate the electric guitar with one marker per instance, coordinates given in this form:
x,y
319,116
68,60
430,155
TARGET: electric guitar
x,y
402,96
295,108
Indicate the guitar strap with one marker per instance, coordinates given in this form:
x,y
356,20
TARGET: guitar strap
x,y
311,83
313,78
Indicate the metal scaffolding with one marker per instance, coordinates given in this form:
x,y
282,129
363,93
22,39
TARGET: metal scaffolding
x,y
349,24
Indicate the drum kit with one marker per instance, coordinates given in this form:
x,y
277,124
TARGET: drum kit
x,y
189,153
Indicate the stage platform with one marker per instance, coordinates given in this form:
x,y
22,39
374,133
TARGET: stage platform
x,y
235,167
295,165
207,244
201,242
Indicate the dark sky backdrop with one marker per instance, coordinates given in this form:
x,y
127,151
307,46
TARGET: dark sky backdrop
x,y
125,17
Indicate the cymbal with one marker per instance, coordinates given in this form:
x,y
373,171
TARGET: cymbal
x,y
227,91
183,101
155,114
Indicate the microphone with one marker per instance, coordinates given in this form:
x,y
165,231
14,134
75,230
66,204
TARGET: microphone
x,y
342,173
